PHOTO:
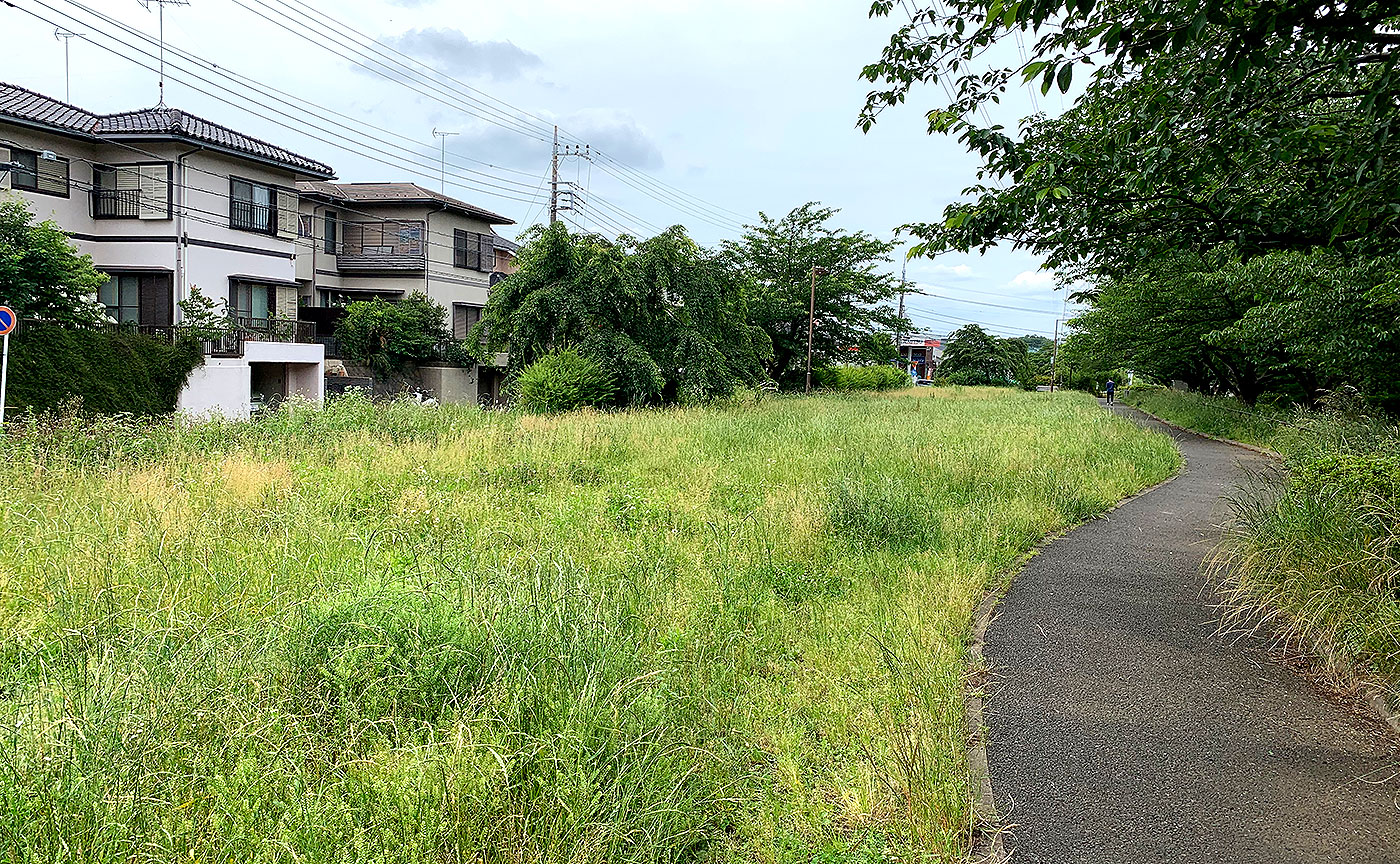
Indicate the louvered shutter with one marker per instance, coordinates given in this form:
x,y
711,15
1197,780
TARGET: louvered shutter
x,y
286,302
154,181
53,176
288,214
488,253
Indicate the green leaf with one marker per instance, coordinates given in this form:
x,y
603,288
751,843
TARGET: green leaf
x,y
1065,75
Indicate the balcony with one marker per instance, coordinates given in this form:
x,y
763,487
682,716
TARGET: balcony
x,y
116,203
248,216
375,261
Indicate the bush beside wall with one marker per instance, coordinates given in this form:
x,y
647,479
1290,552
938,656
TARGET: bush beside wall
x,y
111,370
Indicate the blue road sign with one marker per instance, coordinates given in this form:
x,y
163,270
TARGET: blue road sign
x,y
7,320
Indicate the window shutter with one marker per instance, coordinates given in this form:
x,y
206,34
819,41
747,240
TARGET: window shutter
x,y
286,302
288,214
488,252
5,176
154,181
156,306
53,176
459,249
126,179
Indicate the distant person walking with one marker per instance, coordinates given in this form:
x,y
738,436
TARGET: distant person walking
x,y
1108,388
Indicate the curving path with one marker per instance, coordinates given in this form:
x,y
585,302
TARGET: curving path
x,y
1123,728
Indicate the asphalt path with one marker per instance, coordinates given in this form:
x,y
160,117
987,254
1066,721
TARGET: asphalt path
x,y
1123,726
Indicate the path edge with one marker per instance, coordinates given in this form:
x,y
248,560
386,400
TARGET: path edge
x,y
987,830
1324,656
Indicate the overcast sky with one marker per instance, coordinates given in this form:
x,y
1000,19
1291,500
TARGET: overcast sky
x,y
745,106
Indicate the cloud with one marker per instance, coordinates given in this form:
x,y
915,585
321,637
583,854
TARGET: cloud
x,y
453,52
1034,279
961,270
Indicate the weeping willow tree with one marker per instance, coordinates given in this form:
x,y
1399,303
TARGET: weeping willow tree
x,y
664,316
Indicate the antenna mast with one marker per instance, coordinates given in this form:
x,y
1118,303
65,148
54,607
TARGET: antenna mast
x,y
160,13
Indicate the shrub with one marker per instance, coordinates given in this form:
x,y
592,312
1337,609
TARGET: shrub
x,y
387,337
111,370
853,378
564,381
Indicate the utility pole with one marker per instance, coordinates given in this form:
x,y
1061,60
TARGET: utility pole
x,y
570,151
899,326
554,179
161,4
1054,354
65,35
442,163
811,322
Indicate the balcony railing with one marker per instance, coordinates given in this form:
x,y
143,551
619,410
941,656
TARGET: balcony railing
x,y
116,203
276,329
248,216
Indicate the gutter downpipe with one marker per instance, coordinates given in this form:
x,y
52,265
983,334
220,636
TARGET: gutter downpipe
x,y
180,239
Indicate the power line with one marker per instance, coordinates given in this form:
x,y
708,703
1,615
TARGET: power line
x,y
642,182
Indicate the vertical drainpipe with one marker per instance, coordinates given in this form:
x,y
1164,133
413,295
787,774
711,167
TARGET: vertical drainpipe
x,y
180,257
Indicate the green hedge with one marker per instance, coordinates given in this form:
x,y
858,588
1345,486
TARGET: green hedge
x,y
861,378
112,370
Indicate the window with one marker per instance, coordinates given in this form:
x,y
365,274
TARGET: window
x,y
304,223
251,300
139,298
131,191
472,251
122,297
464,317
331,244
37,174
252,206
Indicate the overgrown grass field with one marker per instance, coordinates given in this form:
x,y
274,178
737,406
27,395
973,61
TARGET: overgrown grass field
x,y
404,634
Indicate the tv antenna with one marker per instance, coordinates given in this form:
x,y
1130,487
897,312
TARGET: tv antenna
x,y
160,13
65,35
442,165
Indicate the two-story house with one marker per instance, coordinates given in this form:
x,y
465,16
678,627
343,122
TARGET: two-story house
x,y
389,240
164,202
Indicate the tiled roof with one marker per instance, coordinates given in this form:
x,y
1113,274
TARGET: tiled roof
x,y
502,243
397,193
22,104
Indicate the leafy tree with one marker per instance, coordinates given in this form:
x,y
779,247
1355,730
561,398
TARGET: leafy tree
x,y
202,317
778,255
41,273
664,317
974,356
388,337
877,349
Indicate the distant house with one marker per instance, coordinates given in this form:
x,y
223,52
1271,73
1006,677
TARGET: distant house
x,y
924,350
389,240
165,201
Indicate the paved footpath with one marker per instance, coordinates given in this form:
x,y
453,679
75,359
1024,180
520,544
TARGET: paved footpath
x,y
1123,728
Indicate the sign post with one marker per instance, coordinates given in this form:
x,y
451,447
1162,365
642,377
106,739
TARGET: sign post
x,y
7,323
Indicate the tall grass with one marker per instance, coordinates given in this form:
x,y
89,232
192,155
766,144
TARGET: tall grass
x,y
400,634
1315,550
1218,416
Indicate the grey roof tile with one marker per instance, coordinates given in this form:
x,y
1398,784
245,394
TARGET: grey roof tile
x,y
34,107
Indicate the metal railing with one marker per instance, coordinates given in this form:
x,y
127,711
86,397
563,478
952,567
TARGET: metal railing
x,y
276,329
248,216
116,203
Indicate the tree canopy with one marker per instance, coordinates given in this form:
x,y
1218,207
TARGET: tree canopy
x,y
1225,171
665,317
41,273
852,288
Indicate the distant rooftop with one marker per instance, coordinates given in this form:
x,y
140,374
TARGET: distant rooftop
x,y
36,109
396,193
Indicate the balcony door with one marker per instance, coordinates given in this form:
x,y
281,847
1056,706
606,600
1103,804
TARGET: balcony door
x,y
251,300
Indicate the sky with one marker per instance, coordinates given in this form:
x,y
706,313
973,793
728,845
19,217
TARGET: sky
x,y
697,113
